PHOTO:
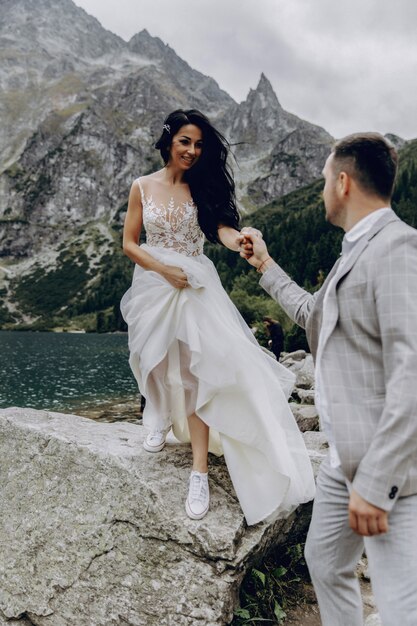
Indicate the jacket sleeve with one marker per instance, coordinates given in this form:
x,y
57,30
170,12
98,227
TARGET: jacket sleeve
x,y
295,301
383,471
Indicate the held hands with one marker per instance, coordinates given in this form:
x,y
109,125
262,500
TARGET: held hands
x,y
253,247
365,518
175,276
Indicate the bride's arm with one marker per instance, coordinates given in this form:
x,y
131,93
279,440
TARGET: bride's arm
x,y
233,239
131,232
230,237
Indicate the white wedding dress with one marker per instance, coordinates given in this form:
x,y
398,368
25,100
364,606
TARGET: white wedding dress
x,y
191,351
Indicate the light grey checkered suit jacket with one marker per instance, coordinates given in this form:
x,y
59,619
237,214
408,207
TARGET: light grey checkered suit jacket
x,y
369,361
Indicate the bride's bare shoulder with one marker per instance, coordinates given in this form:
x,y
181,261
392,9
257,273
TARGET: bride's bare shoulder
x,y
154,177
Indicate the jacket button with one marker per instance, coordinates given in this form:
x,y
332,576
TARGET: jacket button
x,y
393,493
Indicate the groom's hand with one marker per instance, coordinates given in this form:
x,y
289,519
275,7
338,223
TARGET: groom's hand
x,y
253,248
365,518
246,246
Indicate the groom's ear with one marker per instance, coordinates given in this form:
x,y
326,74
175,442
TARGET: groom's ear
x,y
343,184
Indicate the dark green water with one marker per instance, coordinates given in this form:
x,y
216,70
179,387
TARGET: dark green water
x,y
63,371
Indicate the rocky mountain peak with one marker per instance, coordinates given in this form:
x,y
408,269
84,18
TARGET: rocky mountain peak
x,y
263,98
55,28
144,44
255,119
266,94
53,53
285,148
191,87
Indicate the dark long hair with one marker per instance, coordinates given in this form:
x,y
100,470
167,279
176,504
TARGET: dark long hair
x,y
210,180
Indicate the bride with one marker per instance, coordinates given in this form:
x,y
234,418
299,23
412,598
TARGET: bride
x,y
194,358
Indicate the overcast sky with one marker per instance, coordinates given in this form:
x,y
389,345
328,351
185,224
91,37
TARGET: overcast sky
x,y
347,65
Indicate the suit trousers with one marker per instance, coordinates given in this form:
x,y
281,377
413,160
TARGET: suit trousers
x,y
333,551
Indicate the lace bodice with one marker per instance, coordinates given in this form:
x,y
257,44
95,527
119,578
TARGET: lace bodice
x,y
170,226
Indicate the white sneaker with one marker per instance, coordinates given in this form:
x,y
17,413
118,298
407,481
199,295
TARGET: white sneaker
x,y
155,440
197,503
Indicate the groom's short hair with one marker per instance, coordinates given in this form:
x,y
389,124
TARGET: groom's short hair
x,y
370,159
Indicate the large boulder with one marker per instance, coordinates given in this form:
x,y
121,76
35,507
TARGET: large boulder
x,y
93,530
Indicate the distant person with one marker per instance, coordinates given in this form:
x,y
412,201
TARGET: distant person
x,y
276,334
194,358
362,329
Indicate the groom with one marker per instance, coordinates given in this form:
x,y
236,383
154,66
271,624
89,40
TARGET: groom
x,y
362,330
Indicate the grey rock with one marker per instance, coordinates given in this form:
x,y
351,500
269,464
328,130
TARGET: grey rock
x,y
306,417
317,446
297,355
305,396
302,365
22,621
362,569
93,528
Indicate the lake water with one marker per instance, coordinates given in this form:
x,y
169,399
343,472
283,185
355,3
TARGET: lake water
x,y
64,371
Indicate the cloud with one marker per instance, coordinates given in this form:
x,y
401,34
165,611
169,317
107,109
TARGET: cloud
x,y
347,65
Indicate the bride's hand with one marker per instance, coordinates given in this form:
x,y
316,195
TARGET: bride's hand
x,y
248,230
175,276
246,245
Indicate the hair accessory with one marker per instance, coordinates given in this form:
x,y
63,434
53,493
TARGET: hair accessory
x,y
167,127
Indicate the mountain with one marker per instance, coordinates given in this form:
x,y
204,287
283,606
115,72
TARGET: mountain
x,y
49,50
81,109
277,151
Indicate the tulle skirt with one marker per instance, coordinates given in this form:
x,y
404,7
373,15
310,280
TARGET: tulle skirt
x,y
191,351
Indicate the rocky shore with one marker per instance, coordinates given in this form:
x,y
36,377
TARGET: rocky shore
x,y
93,530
